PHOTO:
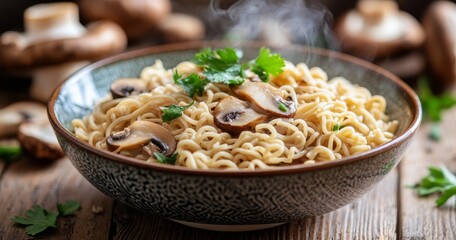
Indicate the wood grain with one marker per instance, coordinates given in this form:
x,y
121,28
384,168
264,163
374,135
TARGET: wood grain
x,y
420,219
26,183
371,217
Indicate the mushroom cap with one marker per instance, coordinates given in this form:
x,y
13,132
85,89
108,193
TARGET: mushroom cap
x,y
101,39
266,99
377,29
39,140
128,87
234,116
136,17
179,27
140,134
439,23
15,114
406,66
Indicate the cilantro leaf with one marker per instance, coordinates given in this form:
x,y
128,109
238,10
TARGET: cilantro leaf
x,y
337,127
37,220
192,84
9,153
267,64
218,60
173,111
164,159
233,75
439,180
433,105
68,208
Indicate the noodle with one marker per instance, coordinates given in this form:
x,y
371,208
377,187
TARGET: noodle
x,y
334,119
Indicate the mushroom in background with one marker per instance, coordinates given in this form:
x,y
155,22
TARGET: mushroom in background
x,y
55,45
29,122
179,27
439,23
136,17
377,30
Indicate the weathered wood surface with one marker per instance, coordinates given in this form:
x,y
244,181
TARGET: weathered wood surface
x,y
420,219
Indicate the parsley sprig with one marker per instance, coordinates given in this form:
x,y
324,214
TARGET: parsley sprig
x,y
173,111
223,66
439,180
39,219
161,158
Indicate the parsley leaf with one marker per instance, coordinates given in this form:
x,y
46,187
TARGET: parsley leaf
x,y
438,180
267,63
221,66
9,153
68,208
192,84
433,105
164,159
173,111
233,75
37,220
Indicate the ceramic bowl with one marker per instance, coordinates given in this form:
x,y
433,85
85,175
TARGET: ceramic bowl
x,y
231,200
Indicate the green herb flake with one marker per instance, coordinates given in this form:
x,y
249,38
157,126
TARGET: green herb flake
x,y
433,105
439,180
9,153
173,111
166,160
282,107
68,208
267,64
337,127
192,84
37,220
435,133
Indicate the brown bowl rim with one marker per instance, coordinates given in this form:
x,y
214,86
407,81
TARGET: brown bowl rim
x,y
399,139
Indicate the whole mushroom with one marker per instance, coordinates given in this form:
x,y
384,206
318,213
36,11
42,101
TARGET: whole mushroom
x,y
136,17
439,23
55,44
378,29
179,27
15,114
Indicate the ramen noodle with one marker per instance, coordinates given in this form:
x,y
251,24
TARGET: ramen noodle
x,y
333,119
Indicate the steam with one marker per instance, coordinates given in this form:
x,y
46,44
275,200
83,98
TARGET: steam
x,y
276,22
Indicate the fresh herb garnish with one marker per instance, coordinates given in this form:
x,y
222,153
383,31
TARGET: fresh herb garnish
x,y
68,208
164,159
433,105
267,63
9,153
39,219
173,111
439,180
337,127
282,107
192,84
435,133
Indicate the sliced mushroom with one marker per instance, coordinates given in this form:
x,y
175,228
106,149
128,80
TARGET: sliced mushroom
x,y
39,140
234,116
128,87
266,98
139,134
13,115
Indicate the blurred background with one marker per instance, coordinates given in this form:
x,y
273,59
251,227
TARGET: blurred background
x,y
321,23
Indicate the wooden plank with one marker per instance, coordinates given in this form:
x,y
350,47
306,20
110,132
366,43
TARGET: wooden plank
x,y
371,217
420,219
26,183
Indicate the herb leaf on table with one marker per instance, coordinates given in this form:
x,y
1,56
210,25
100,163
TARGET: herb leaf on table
x,y
68,208
9,153
439,180
37,220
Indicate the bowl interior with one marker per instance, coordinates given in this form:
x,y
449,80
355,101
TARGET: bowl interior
x,y
79,94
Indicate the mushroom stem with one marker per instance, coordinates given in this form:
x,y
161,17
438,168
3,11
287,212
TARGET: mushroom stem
x,y
46,79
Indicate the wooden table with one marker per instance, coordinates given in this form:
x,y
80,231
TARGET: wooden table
x,y
389,211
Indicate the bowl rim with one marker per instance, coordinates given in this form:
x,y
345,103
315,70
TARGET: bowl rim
x,y
398,140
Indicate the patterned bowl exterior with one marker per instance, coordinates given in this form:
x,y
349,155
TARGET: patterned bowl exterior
x,y
228,197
